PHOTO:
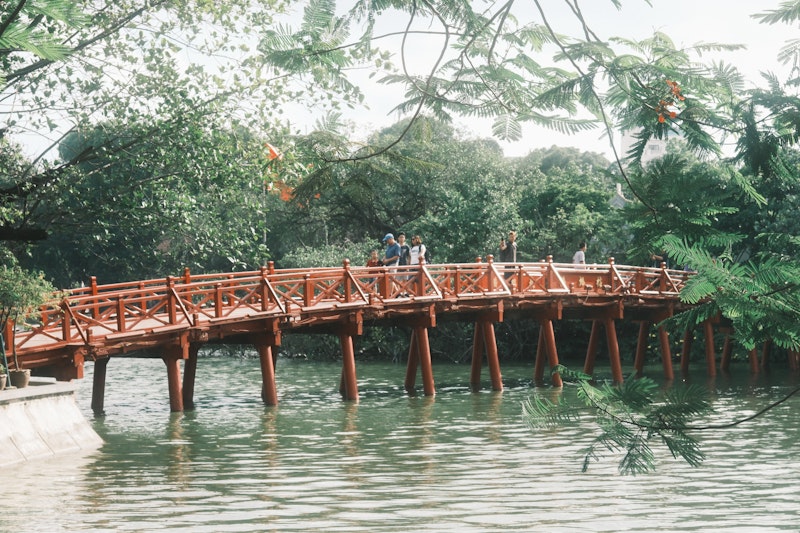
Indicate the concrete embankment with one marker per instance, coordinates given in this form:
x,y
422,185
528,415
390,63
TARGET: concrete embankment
x,y
42,420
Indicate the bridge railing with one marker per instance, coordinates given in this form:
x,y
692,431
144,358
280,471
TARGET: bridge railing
x,y
154,305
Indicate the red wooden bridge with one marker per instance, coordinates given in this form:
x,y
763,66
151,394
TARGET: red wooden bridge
x,y
177,315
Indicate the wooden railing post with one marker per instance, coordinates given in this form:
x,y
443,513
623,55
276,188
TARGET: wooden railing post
x,y
143,304
385,284
419,290
548,279
264,290
489,270
346,282
308,290
172,305
93,287
218,300
121,326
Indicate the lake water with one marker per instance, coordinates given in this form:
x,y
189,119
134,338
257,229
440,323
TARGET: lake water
x,y
459,461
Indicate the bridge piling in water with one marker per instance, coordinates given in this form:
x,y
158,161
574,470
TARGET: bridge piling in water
x,y
591,349
613,350
666,354
485,341
419,356
99,384
641,348
269,392
552,352
348,385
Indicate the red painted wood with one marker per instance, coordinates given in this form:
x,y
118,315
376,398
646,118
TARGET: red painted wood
x,y
174,382
552,352
413,362
349,367
99,384
666,354
269,392
189,375
477,357
641,348
591,350
429,387
711,362
492,357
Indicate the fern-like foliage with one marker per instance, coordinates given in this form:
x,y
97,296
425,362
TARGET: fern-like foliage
x,y
761,299
632,418
36,27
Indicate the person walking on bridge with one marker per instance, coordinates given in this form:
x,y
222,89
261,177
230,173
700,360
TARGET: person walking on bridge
x,y
580,256
391,258
508,253
392,254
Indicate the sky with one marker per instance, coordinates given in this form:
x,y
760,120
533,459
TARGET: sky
x,y
687,22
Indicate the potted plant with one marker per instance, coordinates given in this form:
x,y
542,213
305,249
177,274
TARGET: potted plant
x,y
22,293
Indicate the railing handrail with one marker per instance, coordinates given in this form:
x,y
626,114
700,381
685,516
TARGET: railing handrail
x,y
105,310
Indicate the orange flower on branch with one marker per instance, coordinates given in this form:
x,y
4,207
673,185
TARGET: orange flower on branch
x,y
668,106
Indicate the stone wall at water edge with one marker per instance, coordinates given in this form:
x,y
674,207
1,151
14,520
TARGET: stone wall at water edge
x,y
42,420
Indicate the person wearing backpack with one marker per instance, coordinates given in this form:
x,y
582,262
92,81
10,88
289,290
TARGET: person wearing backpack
x,y
418,250
405,250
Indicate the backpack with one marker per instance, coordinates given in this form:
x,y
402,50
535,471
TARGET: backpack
x,y
427,255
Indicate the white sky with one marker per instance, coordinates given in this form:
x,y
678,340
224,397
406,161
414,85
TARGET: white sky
x,y
687,22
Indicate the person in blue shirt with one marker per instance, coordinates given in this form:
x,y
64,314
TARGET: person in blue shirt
x,y
391,257
392,254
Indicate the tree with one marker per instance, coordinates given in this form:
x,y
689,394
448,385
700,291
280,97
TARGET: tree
x,y
161,74
22,294
457,193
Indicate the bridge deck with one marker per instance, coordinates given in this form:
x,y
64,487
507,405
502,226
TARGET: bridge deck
x,y
101,320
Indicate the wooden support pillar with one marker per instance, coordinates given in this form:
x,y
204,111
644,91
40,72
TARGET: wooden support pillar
x,y
266,343
613,350
686,351
189,373
666,355
478,346
538,369
552,352
99,385
269,391
174,382
641,348
711,361
591,350
765,351
413,363
492,357
348,367
794,363
424,351
753,357
725,361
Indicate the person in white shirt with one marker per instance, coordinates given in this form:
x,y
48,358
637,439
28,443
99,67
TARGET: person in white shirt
x,y
580,256
417,250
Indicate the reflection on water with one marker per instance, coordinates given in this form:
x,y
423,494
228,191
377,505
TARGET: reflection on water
x,y
460,461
